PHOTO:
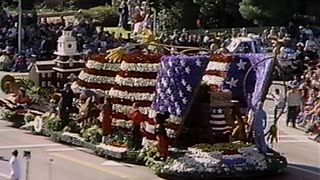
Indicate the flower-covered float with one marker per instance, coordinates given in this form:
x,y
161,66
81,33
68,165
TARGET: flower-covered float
x,y
134,83
98,75
188,109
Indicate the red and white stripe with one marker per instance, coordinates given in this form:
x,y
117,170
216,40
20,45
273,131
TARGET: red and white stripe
x,y
128,96
214,71
91,80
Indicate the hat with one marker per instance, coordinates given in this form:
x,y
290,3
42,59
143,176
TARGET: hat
x,y
294,85
300,44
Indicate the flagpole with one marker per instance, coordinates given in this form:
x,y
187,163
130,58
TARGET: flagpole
x,y
154,21
20,27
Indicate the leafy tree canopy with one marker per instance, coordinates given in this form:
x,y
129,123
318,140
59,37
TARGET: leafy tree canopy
x,y
269,12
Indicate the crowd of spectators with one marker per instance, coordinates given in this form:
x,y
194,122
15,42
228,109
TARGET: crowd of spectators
x,y
39,39
300,41
304,102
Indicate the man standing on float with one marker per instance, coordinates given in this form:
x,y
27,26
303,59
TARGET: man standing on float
x,y
259,124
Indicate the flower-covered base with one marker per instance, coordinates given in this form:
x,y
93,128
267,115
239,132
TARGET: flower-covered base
x,y
200,162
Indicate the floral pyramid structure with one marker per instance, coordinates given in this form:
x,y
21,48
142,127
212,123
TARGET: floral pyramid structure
x,y
98,75
134,83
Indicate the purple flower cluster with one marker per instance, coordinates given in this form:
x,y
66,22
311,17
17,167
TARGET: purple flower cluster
x,y
261,71
177,80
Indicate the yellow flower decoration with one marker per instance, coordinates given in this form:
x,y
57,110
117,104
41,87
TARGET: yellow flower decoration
x,y
115,55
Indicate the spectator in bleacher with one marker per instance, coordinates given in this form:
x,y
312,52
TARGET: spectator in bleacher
x,y
5,61
20,64
311,48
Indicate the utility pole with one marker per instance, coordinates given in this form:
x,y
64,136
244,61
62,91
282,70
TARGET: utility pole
x,y
154,21
20,27
27,168
50,168
27,156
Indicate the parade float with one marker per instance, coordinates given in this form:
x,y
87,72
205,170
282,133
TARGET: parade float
x,y
98,75
182,114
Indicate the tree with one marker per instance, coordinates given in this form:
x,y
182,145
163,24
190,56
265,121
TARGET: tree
x,y
269,12
219,13
252,11
176,14
85,4
28,5
170,18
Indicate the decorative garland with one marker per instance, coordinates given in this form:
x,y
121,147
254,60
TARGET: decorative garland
x,y
120,108
140,67
213,80
95,78
122,123
78,89
133,96
92,64
218,66
135,82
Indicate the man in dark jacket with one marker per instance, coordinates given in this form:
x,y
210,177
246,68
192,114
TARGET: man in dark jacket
x,y
65,104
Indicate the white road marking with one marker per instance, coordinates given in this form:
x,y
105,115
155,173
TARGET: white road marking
x,y
28,146
294,136
111,163
4,176
65,149
305,170
9,130
296,141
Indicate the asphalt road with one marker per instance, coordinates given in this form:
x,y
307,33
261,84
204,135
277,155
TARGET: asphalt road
x,y
70,163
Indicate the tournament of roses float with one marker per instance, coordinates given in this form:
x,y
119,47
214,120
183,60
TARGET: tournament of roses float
x,y
181,115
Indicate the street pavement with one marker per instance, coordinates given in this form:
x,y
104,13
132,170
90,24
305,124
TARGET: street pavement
x,y
74,163
69,163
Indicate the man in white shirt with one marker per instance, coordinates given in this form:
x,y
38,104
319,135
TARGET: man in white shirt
x,y
15,173
311,48
279,100
311,45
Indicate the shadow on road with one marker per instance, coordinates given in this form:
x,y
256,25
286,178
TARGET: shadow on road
x,y
3,159
306,168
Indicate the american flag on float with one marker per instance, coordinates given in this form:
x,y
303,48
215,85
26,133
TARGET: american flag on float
x,y
178,78
228,72
217,120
